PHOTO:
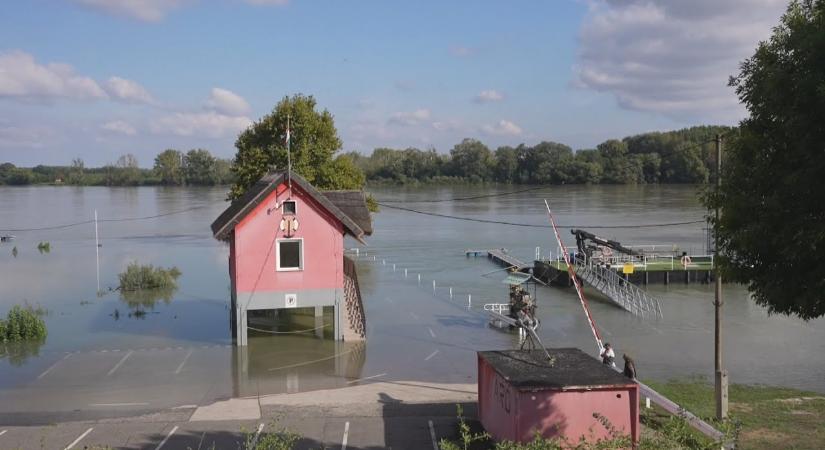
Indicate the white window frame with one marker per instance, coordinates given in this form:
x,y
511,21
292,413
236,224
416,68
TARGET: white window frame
x,y
278,255
283,210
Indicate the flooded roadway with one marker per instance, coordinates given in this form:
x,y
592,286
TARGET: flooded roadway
x,y
100,359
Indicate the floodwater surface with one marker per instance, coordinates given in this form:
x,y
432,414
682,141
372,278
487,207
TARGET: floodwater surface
x,y
106,352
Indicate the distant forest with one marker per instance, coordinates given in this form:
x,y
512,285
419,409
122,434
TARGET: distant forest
x,y
172,168
682,156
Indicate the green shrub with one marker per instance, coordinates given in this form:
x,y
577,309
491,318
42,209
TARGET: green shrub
x,y
138,277
22,324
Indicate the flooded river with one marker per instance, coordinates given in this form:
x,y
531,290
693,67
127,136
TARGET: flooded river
x,y
110,350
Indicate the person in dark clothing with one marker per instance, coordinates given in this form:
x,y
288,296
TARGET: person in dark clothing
x,y
629,367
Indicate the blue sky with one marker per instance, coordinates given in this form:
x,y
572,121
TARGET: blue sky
x,y
98,78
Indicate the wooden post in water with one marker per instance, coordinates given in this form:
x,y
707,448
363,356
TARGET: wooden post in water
x,y
721,379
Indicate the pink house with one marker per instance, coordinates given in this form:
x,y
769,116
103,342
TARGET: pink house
x,y
286,250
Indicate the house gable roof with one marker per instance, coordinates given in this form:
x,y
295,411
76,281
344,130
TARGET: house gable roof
x,y
354,205
240,208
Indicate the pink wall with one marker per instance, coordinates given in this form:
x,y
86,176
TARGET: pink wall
x,y
255,249
512,414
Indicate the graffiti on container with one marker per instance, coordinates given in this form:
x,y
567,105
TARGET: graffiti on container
x,y
501,391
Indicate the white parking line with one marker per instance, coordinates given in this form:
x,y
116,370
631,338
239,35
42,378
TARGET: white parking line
x,y
431,355
53,366
118,404
79,438
346,435
257,436
432,435
163,442
366,378
431,332
180,367
3,432
120,363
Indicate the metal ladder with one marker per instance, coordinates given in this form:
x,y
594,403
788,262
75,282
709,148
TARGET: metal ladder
x,y
622,292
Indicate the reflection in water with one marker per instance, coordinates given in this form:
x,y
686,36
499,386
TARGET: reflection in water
x,y
19,352
295,363
142,302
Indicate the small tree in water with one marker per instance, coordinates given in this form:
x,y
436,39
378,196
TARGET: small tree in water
x,y
138,277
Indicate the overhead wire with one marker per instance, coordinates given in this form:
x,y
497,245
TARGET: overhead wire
x,y
86,222
533,225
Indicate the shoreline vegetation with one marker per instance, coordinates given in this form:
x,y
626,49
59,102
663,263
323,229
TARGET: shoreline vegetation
x,y
683,156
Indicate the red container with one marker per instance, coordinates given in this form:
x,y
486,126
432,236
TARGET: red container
x,y
520,392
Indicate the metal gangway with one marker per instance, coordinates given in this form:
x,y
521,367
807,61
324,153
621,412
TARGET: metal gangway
x,y
615,287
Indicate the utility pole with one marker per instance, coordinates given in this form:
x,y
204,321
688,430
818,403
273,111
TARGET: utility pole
x,y
721,385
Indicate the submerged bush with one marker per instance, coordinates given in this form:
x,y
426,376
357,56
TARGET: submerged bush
x,y
138,277
22,324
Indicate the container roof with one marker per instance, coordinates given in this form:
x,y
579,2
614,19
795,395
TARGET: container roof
x,y
572,368
240,208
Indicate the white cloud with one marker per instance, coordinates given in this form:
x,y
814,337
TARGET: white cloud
x,y
16,137
489,95
227,102
145,10
21,77
267,2
410,118
671,56
128,91
447,125
502,128
209,124
119,127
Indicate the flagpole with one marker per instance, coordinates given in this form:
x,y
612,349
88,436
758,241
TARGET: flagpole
x,y
288,157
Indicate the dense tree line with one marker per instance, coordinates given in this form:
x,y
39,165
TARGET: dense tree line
x,y
683,156
171,167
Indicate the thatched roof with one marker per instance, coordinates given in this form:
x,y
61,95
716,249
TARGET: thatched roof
x,y
226,222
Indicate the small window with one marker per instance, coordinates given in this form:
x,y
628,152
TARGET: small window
x,y
290,254
290,207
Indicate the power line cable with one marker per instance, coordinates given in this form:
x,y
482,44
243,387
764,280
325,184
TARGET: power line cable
x,y
86,222
532,225
474,197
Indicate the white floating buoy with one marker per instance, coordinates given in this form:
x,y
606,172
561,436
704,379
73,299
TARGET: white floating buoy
x,y
419,278
433,284
451,292
384,262
469,300
405,273
393,267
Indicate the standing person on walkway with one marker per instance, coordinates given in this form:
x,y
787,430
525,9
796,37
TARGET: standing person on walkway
x,y
608,355
629,367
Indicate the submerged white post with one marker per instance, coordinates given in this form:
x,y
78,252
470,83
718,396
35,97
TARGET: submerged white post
x,y
97,254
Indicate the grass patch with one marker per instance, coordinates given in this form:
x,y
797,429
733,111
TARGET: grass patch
x,y
769,417
138,277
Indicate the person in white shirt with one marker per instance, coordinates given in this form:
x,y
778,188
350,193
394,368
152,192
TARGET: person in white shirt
x,y
608,356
